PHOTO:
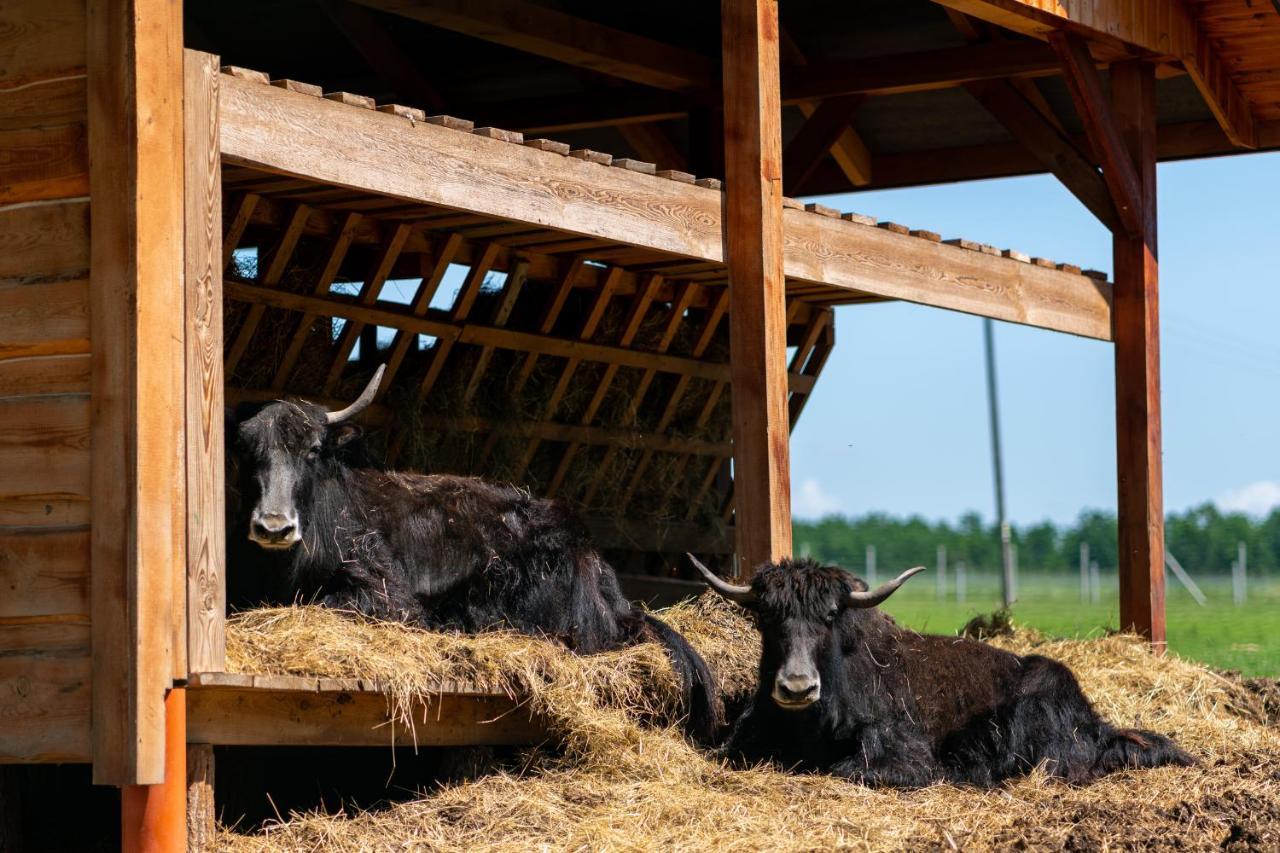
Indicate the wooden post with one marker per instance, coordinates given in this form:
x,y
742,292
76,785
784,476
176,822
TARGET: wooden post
x,y
1136,326
204,573
202,816
137,483
757,308
153,818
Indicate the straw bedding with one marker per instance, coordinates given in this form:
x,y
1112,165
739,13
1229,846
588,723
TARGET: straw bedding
x,y
625,778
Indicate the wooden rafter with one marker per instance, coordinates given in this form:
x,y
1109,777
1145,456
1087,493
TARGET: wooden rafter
x,y
375,45
1100,127
432,274
817,137
653,143
1167,31
555,35
848,150
275,269
502,312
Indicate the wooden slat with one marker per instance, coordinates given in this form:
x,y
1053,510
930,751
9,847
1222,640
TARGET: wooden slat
x,y
240,716
137,329
44,692
205,571
555,35
44,319
433,273
202,814
510,293
1095,114
276,266
849,151
1140,502
823,128
757,284
43,163
44,239
44,448
41,42
293,134
45,374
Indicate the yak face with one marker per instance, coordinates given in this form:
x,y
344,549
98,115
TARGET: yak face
x,y
801,609
288,447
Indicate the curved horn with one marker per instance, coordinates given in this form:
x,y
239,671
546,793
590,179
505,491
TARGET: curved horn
x,y
362,402
855,598
741,595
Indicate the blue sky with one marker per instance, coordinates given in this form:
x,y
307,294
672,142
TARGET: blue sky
x,y
898,422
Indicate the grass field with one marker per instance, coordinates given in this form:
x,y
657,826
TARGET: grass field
x,y
1220,634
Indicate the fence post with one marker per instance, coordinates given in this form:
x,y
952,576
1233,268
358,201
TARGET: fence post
x,y
871,566
1095,588
1084,572
942,573
1239,588
961,584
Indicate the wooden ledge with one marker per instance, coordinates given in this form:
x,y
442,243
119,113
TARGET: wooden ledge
x,y
234,709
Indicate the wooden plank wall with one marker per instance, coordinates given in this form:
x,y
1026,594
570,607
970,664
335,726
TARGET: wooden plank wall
x,y
44,383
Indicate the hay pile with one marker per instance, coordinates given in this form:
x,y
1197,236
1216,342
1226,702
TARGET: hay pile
x,y
622,784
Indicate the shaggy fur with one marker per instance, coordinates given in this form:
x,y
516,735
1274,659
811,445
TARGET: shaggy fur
x,y
442,552
904,709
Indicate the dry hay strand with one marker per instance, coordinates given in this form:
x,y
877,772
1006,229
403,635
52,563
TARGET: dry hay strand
x,y
624,785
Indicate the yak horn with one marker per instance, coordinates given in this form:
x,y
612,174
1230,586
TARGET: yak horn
x,y
741,595
362,402
854,598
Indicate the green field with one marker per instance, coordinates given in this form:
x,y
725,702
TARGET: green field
x,y
1245,638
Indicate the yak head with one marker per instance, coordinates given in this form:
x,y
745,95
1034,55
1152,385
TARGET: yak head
x,y
284,447
799,606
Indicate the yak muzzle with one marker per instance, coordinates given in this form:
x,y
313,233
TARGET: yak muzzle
x,y
795,693
274,531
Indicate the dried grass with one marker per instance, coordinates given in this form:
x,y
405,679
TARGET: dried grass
x,y
621,784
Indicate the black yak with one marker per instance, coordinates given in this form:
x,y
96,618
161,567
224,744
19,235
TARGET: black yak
x,y
844,690
309,521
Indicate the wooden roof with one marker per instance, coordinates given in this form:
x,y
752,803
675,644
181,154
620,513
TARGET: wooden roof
x,y
904,83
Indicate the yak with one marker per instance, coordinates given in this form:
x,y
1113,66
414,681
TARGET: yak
x,y
310,518
846,691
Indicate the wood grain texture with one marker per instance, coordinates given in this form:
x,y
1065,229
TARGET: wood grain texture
x,y
44,692
44,448
1140,500
753,229
248,716
204,576
293,134
43,163
44,572
41,41
44,239
134,50
46,318
202,813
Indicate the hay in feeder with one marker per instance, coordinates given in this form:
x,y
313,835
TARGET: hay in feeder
x,y
622,784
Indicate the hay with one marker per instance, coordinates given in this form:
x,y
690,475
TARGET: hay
x,y
622,784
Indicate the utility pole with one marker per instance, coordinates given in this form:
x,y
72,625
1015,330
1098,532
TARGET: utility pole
x,y
1008,594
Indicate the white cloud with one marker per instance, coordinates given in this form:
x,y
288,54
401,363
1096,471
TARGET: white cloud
x,y
1255,499
810,501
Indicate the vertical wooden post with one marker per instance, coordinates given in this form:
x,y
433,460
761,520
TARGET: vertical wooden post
x,y
153,818
137,487
202,816
757,299
1136,323
204,573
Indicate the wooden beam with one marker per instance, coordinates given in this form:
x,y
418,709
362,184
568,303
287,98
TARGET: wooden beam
x,y
1054,149
1170,31
135,80
1137,359
202,815
1095,114
555,35
653,144
204,576
753,230
269,128
380,51
849,151
917,72
816,139
229,710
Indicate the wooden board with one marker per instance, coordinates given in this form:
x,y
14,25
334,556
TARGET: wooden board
x,y
754,248
44,238
286,132
44,692
134,61
44,443
204,575
260,716
44,572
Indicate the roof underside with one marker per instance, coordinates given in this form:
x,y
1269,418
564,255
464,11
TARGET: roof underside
x,y
939,134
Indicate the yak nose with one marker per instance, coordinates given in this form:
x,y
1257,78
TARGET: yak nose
x,y
796,690
273,530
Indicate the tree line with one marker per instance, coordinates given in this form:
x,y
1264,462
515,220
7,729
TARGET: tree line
x,y
1203,539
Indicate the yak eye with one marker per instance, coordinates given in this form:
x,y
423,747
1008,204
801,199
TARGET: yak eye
x,y
313,452
832,614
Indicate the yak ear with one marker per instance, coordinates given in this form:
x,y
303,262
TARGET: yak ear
x,y
858,584
344,433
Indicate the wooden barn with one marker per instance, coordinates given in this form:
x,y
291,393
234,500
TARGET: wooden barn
x,y
570,231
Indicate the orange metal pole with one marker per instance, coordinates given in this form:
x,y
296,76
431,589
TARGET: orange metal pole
x,y
154,817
